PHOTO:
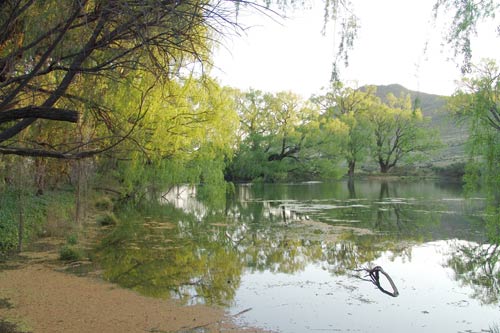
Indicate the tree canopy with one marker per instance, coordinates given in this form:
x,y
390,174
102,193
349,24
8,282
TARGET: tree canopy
x,y
94,63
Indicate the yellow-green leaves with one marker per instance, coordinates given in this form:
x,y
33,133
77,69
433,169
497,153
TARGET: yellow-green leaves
x,y
477,105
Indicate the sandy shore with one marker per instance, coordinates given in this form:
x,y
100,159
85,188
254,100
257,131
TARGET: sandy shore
x,y
38,297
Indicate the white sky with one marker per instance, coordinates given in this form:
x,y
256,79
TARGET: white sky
x,y
295,56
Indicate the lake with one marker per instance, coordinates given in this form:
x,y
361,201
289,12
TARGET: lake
x,y
296,257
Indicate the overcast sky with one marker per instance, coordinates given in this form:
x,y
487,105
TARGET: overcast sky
x,y
294,55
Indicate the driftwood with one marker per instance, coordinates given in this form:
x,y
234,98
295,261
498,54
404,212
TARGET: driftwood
x,y
374,274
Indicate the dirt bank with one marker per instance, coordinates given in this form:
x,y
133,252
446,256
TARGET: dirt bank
x,y
38,297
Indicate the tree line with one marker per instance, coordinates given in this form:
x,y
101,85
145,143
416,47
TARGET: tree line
x,y
283,137
122,81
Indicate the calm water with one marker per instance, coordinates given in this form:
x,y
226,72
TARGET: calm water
x,y
285,257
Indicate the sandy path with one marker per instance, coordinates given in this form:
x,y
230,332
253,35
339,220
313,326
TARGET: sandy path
x,y
46,300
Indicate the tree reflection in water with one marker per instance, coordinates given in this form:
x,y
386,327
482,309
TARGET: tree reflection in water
x,y
199,254
478,266
161,259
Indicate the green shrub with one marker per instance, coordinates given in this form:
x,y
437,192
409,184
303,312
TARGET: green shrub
x,y
72,239
107,219
71,253
454,170
104,203
7,327
59,214
13,207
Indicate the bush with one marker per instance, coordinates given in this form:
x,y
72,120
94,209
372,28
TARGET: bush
x,y
30,208
58,215
72,239
71,253
104,203
454,170
7,327
107,219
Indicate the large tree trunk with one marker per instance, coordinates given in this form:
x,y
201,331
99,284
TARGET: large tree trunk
x,y
384,168
351,167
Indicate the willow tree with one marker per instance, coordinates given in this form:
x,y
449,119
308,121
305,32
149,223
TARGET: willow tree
x,y
186,136
62,62
477,103
350,106
281,136
270,137
399,133
58,61
466,16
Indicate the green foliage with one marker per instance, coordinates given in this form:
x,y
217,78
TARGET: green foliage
x,y
477,104
107,219
104,203
187,137
466,16
71,253
33,212
454,170
351,107
72,239
8,327
93,70
392,132
400,133
283,138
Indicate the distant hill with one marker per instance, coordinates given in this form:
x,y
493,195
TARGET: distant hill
x,y
428,102
453,136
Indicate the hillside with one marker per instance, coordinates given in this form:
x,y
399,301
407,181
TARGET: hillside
x,y
453,136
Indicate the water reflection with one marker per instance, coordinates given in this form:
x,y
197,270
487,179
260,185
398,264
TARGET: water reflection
x,y
158,258
315,300
477,266
308,239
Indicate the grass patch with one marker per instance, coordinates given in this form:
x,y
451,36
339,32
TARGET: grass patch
x,y
71,253
107,219
5,304
59,218
104,203
8,327
72,239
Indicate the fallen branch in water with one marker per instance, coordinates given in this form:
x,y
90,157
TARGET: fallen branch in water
x,y
374,274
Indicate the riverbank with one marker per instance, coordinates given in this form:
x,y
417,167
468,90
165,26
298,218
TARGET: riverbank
x,y
37,294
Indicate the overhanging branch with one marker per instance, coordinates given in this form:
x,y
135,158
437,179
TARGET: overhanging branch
x,y
30,152
39,112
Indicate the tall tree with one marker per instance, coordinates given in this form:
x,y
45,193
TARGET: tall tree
x,y
282,136
399,132
64,61
186,136
350,106
477,102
